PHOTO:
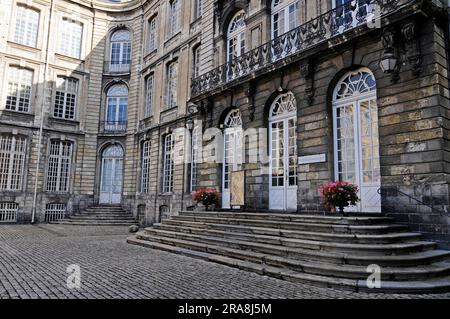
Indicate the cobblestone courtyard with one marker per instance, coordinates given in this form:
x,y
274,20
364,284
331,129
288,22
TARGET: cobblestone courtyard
x,y
34,259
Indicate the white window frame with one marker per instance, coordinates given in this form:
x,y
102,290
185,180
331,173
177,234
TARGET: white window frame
x,y
59,159
168,166
145,167
20,89
197,9
66,97
121,60
149,95
117,99
172,85
282,9
71,38
27,26
8,212
195,149
152,33
173,21
196,61
236,36
13,151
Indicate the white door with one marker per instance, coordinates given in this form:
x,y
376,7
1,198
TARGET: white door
x,y
232,153
283,154
112,176
356,139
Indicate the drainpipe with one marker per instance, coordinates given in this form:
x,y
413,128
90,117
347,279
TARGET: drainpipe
x,y
41,125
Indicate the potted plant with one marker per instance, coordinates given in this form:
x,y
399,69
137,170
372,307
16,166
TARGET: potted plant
x,y
206,196
339,195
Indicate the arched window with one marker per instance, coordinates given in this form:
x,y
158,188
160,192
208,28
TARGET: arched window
x,y
356,139
283,153
120,51
285,16
117,108
236,36
232,152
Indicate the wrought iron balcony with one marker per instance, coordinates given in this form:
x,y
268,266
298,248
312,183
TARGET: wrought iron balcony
x,y
321,29
122,66
114,127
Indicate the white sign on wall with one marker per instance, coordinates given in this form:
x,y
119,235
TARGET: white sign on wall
x,y
311,159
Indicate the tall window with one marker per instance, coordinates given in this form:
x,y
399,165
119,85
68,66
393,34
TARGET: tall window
x,y
71,35
145,167
196,61
120,51
20,82
174,17
59,166
195,148
12,162
236,36
27,25
117,108
149,88
66,98
152,34
285,16
171,85
197,9
168,164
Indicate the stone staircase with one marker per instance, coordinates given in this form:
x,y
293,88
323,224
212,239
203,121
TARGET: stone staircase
x,y
330,251
100,216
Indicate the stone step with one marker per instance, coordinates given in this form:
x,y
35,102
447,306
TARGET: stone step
x,y
104,211
325,219
208,253
102,217
322,268
93,223
303,226
202,228
281,246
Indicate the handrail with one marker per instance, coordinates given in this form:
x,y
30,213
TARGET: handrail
x,y
323,28
441,213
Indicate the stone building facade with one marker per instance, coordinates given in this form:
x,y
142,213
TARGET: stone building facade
x,y
294,93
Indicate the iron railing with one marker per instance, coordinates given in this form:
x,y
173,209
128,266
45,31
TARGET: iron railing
x,y
114,126
323,28
122,66
384,190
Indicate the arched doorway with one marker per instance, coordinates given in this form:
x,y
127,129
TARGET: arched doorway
x,y
111,175
232,152
356,139
283,153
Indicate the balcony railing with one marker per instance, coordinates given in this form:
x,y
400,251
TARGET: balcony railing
x,y
122,66
323,28
114,127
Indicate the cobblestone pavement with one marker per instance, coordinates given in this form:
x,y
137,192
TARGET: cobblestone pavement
x,y
34,260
